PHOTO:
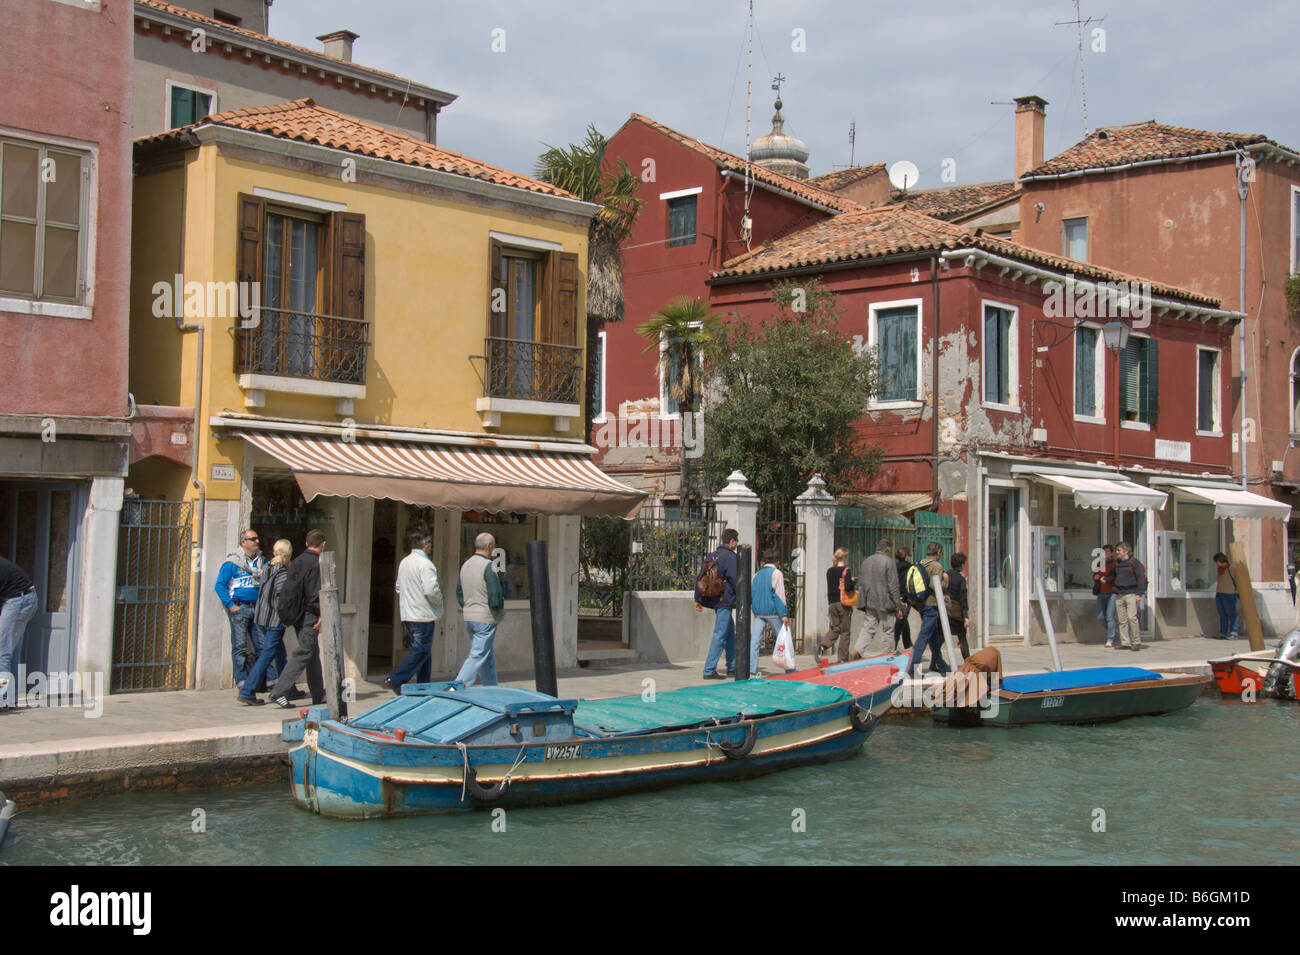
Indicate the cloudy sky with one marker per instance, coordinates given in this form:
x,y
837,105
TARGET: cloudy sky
x,y
922,81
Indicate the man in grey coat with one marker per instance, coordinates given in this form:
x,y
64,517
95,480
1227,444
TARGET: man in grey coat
x,y
879,601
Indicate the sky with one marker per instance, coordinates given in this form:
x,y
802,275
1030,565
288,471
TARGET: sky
x,y
925,82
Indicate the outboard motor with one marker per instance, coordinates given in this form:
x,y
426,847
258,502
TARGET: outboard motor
x,y
7,810
1278,681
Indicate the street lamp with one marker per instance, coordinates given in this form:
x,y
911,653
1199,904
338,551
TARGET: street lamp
x,y
1115,335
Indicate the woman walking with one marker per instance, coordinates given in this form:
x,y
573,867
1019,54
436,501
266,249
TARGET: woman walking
x,y
839,581
903,626
268,628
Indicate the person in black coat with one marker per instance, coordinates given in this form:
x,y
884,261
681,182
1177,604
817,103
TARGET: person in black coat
x,y
302,587
902,626
957,602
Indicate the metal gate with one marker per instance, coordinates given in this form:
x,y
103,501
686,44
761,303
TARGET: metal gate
x,y
778,531
151,626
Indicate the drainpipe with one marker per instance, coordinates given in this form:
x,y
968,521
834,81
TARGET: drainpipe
x,y
934,365
1243,187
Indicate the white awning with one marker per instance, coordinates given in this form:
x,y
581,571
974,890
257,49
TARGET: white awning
x,y
1100,492
1233,502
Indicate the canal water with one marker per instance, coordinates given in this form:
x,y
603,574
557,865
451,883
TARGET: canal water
x,y
1218,783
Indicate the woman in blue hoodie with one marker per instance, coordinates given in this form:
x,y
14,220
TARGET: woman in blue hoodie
x,y
767,602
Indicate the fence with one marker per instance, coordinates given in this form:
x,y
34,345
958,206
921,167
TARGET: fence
x,y
151,625
860,535
667,551
603,557
779,531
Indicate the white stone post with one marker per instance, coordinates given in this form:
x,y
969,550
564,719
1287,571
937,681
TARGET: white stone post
x,y
98,578
815,509
737,507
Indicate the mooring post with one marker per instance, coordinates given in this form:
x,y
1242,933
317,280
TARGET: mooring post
x,y
539,603
330,638
744,571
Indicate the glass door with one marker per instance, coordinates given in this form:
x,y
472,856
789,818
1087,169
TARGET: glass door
x,y
1004,563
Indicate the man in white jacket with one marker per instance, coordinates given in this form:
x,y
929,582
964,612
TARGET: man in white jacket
x,y
421,607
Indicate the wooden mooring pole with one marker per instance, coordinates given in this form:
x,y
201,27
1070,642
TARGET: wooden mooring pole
x,y
331,637
1247,615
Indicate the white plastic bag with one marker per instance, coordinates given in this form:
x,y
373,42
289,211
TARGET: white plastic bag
x,y
783,653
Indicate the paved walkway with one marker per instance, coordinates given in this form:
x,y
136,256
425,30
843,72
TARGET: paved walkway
x,y
142,731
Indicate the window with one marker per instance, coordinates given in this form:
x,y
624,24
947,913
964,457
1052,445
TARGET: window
x,y
598,399
512,533
1139,381
1074,239
1295,391
895,332
1295,230
1084,531
999,355
225,17
1207,391
42,211
290,285
187,104
1089,373
1203,531
681,220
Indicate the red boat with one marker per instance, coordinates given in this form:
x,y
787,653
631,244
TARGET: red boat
x,y
873,678
1247,673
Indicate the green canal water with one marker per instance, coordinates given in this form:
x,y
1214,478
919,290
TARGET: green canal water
x,y
1218,783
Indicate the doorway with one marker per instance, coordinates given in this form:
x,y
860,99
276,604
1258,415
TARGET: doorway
x,y
1004,560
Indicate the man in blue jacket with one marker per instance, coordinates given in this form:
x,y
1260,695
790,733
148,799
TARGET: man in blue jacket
x,y
238,583
724,627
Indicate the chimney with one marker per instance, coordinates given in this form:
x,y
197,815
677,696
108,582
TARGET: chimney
x,y
339,44
1031,118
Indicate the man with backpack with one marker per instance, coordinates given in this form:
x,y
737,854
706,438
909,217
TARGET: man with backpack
x,y
1129,578
299,607
715,588
920,593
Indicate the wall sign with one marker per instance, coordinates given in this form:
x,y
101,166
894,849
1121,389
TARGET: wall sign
x,y
223,472
1173,450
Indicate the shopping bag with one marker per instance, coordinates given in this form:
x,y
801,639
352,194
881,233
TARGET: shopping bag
x,y
783,654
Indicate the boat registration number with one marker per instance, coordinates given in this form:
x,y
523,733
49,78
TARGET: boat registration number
x,y
1051,701
571,751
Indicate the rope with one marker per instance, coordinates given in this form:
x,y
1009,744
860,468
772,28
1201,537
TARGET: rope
x,y
505,780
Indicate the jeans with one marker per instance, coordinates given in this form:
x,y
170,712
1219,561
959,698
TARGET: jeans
x,y
14,617
1226,604
417,663
481,662
270,649
757,627
241,625
1106,614
930,636
724,638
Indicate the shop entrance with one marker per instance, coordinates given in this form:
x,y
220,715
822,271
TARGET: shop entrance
x,y
1004,560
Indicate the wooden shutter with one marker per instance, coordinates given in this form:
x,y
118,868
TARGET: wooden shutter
x,y
497,319
250,266
344,342
1152,392
1128,378
564,303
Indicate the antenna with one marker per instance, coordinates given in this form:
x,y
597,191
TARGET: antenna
x,y
746,224
1079,24
853,135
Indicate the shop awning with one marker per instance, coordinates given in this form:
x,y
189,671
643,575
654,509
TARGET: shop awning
x,y
1106,492
1233,502
459,476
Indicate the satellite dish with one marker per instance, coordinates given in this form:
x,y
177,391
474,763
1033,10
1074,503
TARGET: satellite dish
x,y
904,175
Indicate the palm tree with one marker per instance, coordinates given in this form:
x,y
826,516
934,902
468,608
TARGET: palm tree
x,y
581,169
686,333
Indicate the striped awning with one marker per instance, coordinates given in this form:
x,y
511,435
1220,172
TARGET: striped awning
x,y
458,476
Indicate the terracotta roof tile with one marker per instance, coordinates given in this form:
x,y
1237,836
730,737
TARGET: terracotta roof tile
x,y
842,178
1139,142
893,230
726,160
952,202
304,121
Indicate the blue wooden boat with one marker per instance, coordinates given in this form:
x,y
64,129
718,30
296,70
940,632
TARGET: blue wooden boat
x,y
445,746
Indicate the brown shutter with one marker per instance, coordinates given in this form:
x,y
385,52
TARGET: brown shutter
x,y
496,320
564,315
346,341
250,265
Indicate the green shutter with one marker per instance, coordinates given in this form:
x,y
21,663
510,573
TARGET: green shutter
x,y
1153,383
1128,379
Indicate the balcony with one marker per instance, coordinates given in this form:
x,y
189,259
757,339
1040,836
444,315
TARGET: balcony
x,y
524,377
302,353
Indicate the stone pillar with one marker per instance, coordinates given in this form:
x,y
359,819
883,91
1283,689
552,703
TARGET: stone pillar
x,y
98,578
815,509
737,507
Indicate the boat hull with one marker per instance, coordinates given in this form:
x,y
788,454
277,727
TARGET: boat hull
x,y
1234,679
1100,704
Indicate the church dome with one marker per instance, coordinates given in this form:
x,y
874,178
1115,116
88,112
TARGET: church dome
x,y
779,151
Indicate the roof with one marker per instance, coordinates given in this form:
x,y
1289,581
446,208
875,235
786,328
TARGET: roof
x,y
725,160
896,230
304,121
219,28
1113,146
954,202
843,178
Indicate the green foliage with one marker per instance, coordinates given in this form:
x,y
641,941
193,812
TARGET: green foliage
x,y
670,556
581,169
785,400
604,552
689,332
1293,295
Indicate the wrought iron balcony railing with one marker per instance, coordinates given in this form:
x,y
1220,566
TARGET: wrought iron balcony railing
x,y
536,371
280,341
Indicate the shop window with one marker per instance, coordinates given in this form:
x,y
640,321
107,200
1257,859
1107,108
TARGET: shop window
x,y
280,511
1084,531
1204,540
512,533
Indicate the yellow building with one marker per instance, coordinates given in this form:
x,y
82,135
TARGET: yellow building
x,y
336,326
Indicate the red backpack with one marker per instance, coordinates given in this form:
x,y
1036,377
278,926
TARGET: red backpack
x,y
710,583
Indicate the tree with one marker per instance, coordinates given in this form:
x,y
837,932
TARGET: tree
x,y
786,398
581,169
686,333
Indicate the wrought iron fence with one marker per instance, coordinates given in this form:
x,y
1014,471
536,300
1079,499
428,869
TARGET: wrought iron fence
x,y
603,557
780,534
861,534
280,341
151,625
538,371
667,551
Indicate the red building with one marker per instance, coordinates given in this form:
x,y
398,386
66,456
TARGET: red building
x,y
65,206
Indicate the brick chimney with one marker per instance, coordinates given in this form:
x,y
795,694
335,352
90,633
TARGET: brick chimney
x,y
339,44
1031,118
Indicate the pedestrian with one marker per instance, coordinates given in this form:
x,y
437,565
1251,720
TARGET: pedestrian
x,y
1129,578
268,628
420,601
767,602
1105,593
17,607
484,607
903,625
723,563
1225,599
956,596
299,607
879,600
920,591
838,582
237,586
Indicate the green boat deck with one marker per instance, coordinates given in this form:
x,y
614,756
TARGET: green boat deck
x,y
700,704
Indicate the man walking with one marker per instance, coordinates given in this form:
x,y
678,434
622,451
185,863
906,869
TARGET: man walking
x,y
420,599
479,594
300,608
878,600
237,586
920,591
724,625
17,607
768,606
1130,580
